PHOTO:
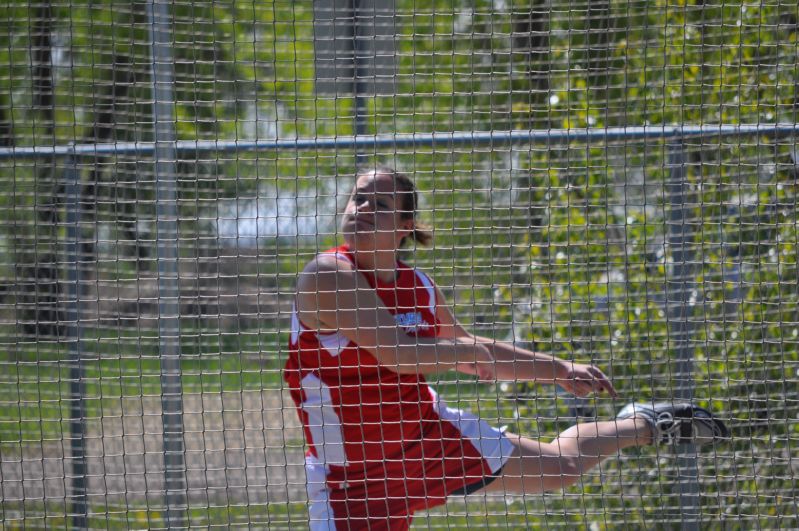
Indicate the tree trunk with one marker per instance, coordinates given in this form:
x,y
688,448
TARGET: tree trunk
x,y
104,130
38,269
530,45
598,56
6,129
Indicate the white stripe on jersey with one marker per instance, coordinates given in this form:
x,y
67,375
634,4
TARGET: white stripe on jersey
x,y
430,289
323,422
489,441
320,513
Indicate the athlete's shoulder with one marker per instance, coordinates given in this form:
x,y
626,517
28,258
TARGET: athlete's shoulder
x,y
325,270
331,260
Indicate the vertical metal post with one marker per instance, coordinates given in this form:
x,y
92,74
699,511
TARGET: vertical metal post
x,y
163,72
77,388
358,79
679,285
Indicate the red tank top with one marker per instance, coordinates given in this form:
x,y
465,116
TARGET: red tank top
x,y
367,426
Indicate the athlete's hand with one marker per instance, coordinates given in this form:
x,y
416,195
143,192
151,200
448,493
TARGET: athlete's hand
x,y
483,366
582,380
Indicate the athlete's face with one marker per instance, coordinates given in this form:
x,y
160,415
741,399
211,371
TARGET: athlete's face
x,y
373,218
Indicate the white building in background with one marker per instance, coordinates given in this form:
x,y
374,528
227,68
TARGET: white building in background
x,y
274,214
289,212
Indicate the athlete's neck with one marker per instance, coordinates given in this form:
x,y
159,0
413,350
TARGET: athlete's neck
x,y
382,264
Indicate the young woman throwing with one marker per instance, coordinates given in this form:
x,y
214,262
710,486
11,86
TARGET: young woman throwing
x,y
366,328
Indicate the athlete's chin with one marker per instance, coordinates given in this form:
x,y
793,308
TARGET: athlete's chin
x,y
358,241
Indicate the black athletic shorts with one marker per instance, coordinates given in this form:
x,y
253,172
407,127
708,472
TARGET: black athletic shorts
x,y
477,485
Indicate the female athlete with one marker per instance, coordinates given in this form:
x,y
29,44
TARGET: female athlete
x,y
366,328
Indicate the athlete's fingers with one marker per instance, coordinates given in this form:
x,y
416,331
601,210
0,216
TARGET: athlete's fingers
x,y
476,369
582,381
586,379
569,384
576,386
487,373
584,391
578,390
610,389
487,370
602,382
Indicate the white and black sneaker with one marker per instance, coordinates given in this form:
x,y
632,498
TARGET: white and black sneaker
x,y
678,423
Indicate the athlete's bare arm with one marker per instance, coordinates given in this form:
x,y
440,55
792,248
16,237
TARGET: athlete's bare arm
x,y
517,364
333,296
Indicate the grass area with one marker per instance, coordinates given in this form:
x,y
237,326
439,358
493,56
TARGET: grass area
x,y
279,516
457,514
552,511
36,515
36,382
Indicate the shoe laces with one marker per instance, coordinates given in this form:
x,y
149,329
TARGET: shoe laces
x,y
667,427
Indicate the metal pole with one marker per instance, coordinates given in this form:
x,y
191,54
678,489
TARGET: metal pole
x,y
77,388
520,137
679,285
359,84
163,74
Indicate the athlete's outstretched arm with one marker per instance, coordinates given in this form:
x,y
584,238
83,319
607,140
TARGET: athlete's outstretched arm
x,y
514,363
332,296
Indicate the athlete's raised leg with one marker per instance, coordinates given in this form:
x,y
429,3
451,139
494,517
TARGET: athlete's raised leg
x,y
536,466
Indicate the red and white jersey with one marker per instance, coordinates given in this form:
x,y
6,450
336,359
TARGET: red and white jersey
x,y
381,445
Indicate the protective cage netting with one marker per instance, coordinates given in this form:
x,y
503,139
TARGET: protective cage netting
x,y
145,294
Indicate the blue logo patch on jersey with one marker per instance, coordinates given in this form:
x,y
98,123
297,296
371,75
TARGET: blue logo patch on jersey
x,y
411,322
